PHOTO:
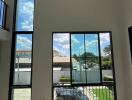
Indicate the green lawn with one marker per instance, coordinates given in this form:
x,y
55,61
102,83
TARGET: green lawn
x,y
103,94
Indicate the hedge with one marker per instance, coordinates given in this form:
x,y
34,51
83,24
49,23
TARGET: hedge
x,y
108,78
65,79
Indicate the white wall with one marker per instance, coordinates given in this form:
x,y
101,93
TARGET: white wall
x,y
4,69
71,15
126,16
5,52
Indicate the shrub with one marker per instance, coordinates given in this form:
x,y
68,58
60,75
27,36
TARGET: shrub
x,y
106,64
108,78
64,79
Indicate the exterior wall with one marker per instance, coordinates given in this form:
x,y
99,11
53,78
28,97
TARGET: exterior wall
x,y
71,15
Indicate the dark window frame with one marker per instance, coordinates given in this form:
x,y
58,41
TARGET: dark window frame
x,y
13,48
4,14
93,84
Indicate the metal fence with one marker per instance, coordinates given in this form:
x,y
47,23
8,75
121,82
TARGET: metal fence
x,y
84,93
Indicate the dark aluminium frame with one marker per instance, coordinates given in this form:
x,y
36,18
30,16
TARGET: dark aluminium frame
x,y
4,12
130,38
11,86
13,49
88,84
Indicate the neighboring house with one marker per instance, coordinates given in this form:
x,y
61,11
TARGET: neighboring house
x,y
61,62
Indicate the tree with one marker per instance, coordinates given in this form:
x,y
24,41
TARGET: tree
x,y
106,63
89,57
106,60
107,50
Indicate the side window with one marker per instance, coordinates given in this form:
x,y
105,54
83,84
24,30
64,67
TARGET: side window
x,y
21,86
21,62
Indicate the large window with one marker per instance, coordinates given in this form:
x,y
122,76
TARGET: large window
x,y
21,62
83,67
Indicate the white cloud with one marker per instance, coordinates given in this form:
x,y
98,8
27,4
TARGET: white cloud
x,y
27,8
104,41
26,11
27,25
74,40
104,38
92,43
24,43
66,46
62,38
61,43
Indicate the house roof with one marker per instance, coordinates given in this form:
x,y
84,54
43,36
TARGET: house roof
x,y
61,59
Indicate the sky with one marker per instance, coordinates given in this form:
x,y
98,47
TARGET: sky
x,y
61,43
24,42
24,22
90,44
24,17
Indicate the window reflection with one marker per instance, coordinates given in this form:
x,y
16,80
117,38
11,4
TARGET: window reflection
x,y
61,59
106,57
85,58
23,55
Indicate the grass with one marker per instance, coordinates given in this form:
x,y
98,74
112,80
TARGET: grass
x,y
103,94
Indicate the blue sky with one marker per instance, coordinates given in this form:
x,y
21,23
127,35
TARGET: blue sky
x,y
24,42
24,22
91,43
61,43
25,10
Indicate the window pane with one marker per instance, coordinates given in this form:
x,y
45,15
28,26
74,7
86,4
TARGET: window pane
x,y
106,59
91,43
24,17
92,70
78,71
85,58
23,57
22,94
92,66
78,60
77,44
61,59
